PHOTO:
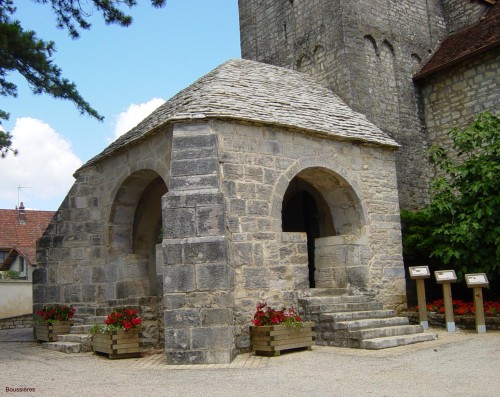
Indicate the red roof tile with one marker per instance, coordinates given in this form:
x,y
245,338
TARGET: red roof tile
x,y
465,44
14,234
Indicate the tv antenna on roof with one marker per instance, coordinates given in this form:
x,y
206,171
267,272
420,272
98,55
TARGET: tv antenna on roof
x,y
19,187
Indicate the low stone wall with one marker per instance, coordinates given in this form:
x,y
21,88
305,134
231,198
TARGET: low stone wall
x,y
25,321
462,322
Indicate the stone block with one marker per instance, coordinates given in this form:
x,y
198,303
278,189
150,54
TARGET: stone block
x,y
52,293
72,293
242,253
219,356
136,268
175,357
256,277
203,198
394,272
212,276
300,277
196,153
199,166
39,276
182,318
88,293
212,338
205,250
194,182
177,339
179,223
132,288
114,270
194,142
216,317
210,220
178,278
174,301
358,276
172,252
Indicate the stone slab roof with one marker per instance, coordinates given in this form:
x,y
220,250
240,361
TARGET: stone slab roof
x,y
22,236
256,92
465,44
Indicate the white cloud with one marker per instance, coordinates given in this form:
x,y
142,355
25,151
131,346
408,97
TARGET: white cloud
x,y
134,115
45,164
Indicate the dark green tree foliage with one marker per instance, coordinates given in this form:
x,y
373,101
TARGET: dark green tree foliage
x,y
23,52
461,226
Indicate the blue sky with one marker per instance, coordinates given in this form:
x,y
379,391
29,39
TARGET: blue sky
x,y
123,72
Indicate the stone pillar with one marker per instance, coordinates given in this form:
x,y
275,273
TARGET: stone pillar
x,y
197,277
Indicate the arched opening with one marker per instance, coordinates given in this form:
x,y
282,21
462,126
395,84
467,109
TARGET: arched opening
x,y
323,205
305,210
300,214
148,227
134,230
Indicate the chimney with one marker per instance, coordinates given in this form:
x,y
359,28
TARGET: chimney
x,y
22,214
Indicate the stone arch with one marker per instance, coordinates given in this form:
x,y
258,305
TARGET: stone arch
x,y
304,64
371,48
135,221
324,204
327,165
388,46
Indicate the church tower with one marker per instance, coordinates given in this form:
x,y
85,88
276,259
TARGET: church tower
x,y
366,51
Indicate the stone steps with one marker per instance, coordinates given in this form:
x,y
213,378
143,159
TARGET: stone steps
x,y
372,333
359,322
394,341
370,323
63,347
361,314
78,340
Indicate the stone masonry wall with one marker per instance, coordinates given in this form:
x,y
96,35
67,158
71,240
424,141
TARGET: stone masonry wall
x,y
73,254
257,165
453,97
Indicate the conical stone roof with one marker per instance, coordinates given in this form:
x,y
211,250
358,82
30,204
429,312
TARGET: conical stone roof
x,y
257,92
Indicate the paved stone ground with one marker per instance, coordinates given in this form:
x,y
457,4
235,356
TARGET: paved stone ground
x,y
457,364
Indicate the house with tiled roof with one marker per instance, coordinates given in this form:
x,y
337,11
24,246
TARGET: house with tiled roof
x,y
19,230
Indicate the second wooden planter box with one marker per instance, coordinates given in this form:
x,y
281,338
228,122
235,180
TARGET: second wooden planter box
x,y
49,332
118,344
271,340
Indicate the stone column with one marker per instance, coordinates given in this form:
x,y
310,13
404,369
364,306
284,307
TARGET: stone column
x,y
197,277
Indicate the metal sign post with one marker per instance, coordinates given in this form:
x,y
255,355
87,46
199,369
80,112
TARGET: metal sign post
x,y
446,277
419,274
478,281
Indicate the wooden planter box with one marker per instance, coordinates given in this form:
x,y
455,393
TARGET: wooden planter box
x,y
118,344
49,332
271,340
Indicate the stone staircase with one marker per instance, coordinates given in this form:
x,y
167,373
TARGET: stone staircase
x,y
78,340
359,322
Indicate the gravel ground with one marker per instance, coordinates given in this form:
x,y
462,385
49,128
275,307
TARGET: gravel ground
x,y
457,364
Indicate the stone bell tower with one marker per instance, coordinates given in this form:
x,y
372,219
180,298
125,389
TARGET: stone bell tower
x,y
365,51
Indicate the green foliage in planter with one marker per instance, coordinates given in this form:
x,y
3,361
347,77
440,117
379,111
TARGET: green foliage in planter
x,y
461,226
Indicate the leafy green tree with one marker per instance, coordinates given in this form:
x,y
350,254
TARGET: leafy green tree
x,y
461,226
23,52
